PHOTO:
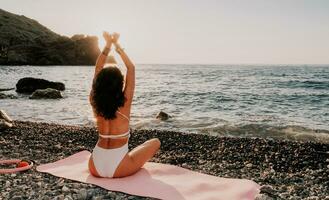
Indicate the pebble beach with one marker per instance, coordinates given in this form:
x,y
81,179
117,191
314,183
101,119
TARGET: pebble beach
x,y
236,90
285,169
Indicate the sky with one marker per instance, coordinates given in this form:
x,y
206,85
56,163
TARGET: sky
x,y
195,31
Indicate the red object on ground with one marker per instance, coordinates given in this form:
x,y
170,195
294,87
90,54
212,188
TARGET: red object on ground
x,y
22,164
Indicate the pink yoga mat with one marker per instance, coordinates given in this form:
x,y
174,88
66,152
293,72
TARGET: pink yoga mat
x,y
157,180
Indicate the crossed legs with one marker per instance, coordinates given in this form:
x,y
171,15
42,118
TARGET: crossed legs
x,y
136,158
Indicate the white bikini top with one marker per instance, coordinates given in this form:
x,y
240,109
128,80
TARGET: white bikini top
x,y
127,134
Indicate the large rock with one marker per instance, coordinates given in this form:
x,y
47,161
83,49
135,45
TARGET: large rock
x,y
5,120
162,116
29,85
24,41
48,93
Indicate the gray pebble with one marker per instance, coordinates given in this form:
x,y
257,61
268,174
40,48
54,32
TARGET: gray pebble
x,y
313,198
17,198
68,197
263,197
59,197
267,189
90,193
65,189
7,184
249,165
111,195
82,194
98,197
279,163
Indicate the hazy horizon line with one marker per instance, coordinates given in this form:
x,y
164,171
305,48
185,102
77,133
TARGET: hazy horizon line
x,y
193,64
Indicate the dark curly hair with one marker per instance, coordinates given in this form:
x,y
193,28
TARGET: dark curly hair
x,y
107,92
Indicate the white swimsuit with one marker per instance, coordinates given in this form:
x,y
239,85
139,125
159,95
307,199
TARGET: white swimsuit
x,y
106,161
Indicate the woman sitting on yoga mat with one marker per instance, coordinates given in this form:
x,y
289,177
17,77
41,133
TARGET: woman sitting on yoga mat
x,y
111,99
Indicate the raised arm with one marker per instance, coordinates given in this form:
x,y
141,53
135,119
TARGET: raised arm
x,y
100,62
130,76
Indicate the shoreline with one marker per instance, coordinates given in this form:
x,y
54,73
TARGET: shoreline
x,y
289,132
293,169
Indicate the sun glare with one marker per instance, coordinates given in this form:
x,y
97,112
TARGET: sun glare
x,y
101,41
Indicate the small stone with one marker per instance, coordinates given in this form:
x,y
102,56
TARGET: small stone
x,y
201,162
284,195
263,197
38,177
59,197
111,195
118,197
98,197
313,198
68,197
65,189
267,189
90,193
82,194
13,175
61,184
17,198
76,185
7,184
249,165
76,191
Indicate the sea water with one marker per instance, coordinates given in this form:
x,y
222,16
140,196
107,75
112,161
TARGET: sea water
x,y
244,100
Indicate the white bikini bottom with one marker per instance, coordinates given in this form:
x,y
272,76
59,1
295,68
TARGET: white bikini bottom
x,y
106,161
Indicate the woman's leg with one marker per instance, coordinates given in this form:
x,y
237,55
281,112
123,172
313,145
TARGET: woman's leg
x,y
136,158
92,167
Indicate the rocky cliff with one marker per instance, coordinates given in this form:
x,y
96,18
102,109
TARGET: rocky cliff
x,y
24,41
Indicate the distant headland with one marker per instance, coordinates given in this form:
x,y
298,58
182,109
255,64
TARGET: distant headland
x,y
24,41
